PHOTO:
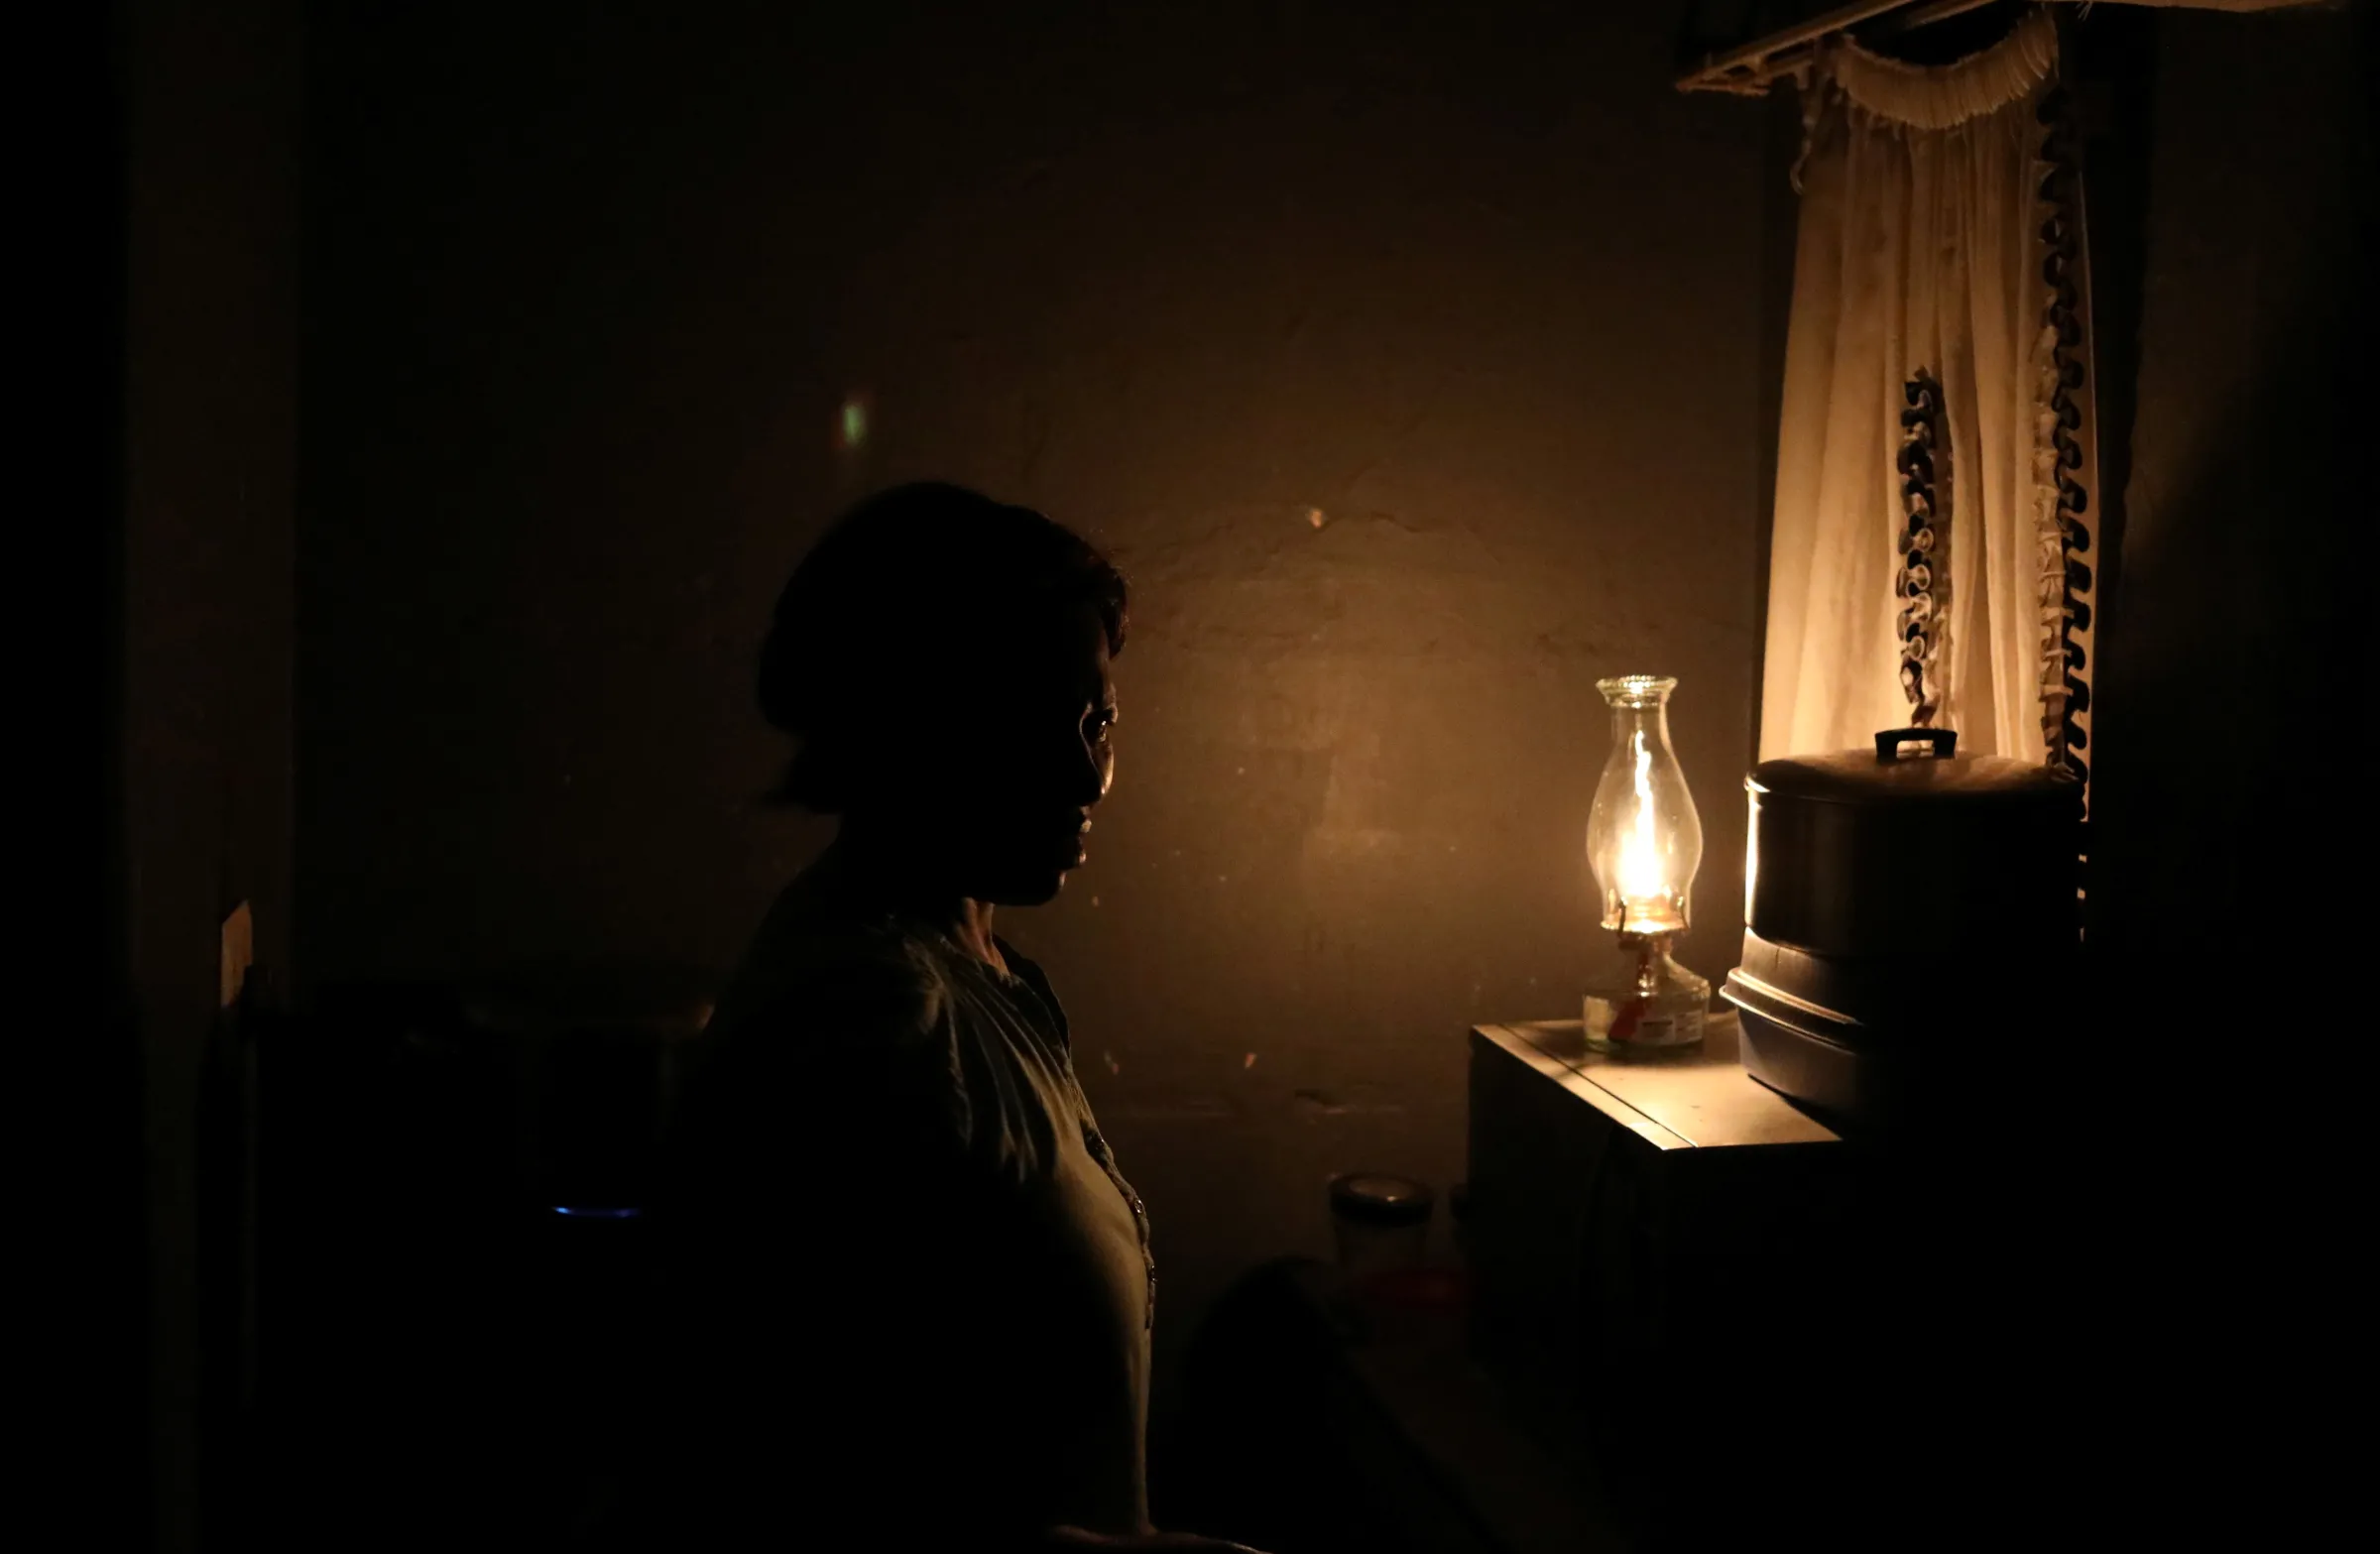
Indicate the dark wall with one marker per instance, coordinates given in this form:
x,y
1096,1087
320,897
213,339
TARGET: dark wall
x,y
209,465
2230,803
1411,364
2228,677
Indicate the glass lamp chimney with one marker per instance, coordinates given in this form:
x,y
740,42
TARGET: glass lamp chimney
x,y
1645,842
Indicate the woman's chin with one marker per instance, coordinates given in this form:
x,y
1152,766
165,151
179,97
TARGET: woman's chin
x,y
1032,886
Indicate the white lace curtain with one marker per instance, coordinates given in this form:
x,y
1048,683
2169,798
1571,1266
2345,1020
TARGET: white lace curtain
x,y
1925,231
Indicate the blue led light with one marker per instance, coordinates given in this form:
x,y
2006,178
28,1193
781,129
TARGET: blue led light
x,y
578,1212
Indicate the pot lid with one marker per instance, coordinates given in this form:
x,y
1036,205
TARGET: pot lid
x,y
1912,766
1375,1199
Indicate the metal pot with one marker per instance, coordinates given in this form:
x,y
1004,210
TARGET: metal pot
x,y
1912,851
1898,905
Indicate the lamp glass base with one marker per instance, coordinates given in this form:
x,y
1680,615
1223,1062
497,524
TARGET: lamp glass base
x,y
1660,1008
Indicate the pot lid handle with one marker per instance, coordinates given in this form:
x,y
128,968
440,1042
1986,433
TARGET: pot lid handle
x,y
1938,742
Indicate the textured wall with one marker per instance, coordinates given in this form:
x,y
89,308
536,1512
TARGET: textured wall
x,y
1412,367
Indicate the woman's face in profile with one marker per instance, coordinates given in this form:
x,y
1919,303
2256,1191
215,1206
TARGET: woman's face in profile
x,y
1005,788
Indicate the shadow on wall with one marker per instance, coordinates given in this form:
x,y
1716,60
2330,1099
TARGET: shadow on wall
x,y
2230,657
453,1260
2229,833
1409,359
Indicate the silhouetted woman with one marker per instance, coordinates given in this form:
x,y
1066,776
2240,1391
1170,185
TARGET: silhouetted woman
x,y
911,1293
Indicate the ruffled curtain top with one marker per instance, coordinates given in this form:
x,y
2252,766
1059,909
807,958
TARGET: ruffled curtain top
x,y
1938,97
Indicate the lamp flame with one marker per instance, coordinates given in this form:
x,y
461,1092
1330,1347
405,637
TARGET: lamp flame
x,y
1642,880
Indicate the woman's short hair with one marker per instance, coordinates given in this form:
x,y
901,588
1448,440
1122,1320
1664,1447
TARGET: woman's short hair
x,y
895,595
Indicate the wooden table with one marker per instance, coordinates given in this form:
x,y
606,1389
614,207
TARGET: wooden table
x,y
1690,1317
1647,1239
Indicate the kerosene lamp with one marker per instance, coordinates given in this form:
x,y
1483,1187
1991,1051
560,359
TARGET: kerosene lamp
x,y
1645,842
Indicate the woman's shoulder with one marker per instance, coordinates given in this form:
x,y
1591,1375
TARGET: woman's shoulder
x,y
829,1021
831,977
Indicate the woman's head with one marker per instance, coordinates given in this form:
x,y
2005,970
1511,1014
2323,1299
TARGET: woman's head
x,y
941,660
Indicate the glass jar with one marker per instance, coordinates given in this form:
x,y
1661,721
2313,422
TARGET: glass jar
x,y
1382,1222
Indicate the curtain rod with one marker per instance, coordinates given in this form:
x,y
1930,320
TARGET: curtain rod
x,y
1747,70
